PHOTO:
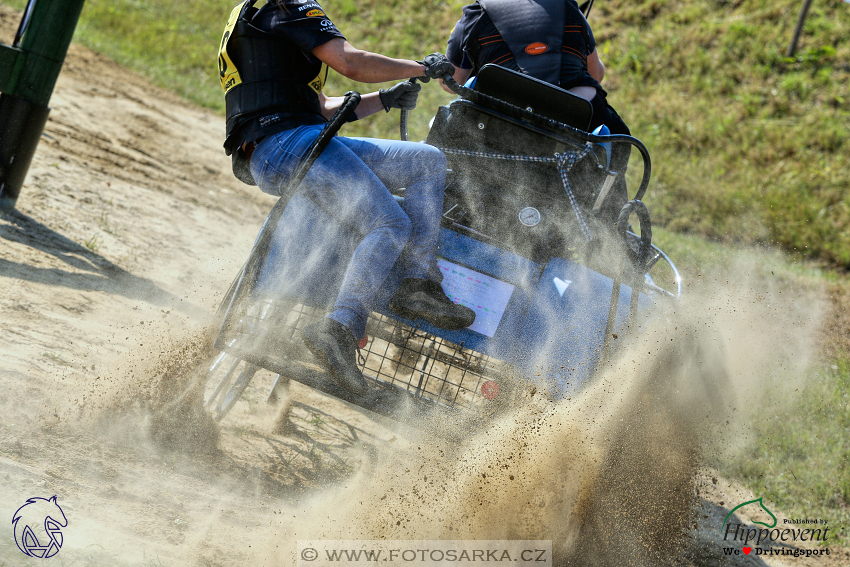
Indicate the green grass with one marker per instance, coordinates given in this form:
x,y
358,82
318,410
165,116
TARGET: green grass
x,y
796,449
797,445
747,144
798,456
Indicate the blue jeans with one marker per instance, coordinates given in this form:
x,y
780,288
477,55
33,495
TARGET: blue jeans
x,y
354,180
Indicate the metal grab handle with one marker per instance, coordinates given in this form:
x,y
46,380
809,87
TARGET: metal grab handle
x,y
343,113
638,208
402,121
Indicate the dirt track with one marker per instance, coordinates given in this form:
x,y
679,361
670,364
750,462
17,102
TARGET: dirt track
x,y
129,228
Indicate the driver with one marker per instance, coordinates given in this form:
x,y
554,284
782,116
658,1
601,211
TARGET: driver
x,y
550,40
273,62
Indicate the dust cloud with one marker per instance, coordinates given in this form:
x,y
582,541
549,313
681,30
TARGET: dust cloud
x,y
608,475
151,400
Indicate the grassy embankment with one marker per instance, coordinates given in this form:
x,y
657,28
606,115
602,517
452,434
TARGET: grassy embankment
x,y
748,147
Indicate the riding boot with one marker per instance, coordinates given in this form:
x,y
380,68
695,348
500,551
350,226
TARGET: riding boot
x,y
336,349
417,298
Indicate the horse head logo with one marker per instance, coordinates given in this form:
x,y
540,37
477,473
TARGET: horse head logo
x,y
45,516
763,507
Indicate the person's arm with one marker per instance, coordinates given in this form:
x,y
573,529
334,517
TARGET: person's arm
x,y
365,66
460,75
595,67
464,32
369,104
402,95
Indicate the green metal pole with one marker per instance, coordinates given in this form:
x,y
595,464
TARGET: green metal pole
x,y
28,73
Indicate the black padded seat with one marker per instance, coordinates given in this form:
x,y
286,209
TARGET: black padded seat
x,y
538,96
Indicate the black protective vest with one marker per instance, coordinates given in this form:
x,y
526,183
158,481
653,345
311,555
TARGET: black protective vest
x,y
265,77
534,32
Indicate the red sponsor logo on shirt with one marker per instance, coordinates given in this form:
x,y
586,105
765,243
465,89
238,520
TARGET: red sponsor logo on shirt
x,y
536,48
314,13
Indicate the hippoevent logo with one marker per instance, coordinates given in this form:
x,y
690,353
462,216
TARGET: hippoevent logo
x,y
773,540
39,513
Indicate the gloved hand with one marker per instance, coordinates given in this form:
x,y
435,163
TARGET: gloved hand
x,y
402,95
436,67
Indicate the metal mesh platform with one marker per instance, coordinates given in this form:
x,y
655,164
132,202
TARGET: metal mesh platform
x,y
396,358
429,366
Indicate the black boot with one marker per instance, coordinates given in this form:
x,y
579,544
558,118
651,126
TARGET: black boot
x,y
336,349
426,299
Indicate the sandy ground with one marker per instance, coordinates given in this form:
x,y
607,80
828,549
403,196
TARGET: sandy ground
x,y
128,230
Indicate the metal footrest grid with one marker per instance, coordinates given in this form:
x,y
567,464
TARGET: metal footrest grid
x,y
426,367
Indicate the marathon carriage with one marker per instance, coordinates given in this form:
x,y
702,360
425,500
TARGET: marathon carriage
x,y
524,242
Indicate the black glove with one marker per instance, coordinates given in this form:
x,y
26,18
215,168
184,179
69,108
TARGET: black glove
x,y
402,95
436,67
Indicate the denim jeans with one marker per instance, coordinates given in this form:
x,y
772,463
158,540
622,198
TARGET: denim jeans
x,y
354,180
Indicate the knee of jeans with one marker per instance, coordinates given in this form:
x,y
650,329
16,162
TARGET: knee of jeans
x,y
428,161
400,227
404,225
432,160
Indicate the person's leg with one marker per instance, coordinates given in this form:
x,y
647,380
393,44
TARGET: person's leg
x,y
421,170
343,186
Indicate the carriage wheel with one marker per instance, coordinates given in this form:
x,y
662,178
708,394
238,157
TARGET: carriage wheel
x,y
225,389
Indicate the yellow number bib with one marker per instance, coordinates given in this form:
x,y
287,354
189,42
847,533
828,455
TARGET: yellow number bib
x,y
228,72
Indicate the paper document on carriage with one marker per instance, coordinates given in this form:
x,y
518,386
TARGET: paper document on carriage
x,y
486,295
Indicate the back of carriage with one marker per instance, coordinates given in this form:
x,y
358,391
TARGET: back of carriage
x,y
527,240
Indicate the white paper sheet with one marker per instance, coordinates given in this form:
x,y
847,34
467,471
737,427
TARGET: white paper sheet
x,y
485,295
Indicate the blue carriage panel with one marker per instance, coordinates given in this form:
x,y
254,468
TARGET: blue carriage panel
x,y
563,333
496,283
